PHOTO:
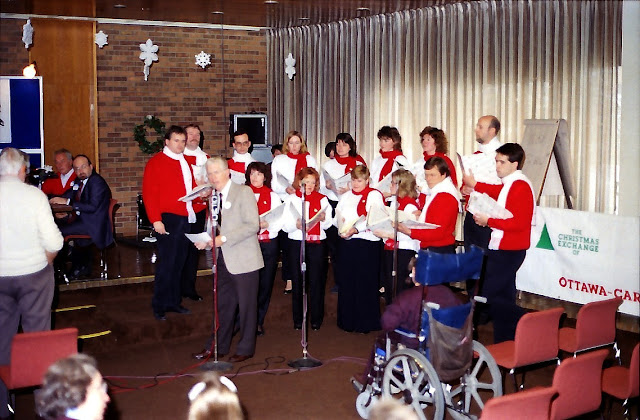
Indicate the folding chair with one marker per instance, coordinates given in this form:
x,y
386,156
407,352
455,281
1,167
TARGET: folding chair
x,y
534,402
623,383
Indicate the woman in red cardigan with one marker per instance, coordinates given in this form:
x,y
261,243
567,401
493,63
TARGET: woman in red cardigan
x,y
441,208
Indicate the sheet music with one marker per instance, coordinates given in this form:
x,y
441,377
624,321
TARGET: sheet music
x,y
384,186
380,218
273,215
317,218
282,180
344,226
482,165
198,237
335,184
483,204
195,193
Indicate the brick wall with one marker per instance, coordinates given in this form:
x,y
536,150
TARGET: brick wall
x,y
177,92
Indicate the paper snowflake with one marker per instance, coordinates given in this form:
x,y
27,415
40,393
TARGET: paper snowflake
x,y
27,34
290,63
203,59
149,55
100,39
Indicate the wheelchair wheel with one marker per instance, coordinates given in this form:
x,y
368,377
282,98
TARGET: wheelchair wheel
x,y
364,401
481,383
410,378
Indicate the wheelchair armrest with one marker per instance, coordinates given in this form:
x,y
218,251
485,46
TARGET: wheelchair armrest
x,y
406,333
480,299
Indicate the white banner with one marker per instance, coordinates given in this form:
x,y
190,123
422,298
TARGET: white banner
x,y
583,257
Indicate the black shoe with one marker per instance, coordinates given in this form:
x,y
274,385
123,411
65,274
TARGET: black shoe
x,y
160,316
316,327
202,355
194,297
79,273
178,309
297,326
260,330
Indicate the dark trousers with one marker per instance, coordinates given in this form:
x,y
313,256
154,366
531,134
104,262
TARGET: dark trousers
x,y
283,243
315,279
499,288
331,243
172,256
28,296
475,234
190,269
267,275
236,291
386,273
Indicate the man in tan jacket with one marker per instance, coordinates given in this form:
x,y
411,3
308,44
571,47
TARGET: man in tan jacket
x,y
238,262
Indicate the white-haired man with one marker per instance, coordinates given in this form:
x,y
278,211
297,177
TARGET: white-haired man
x,y
29,241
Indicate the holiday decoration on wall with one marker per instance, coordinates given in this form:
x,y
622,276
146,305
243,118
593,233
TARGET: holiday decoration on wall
x,y
290,63
149,55
100,39
27,34
203,59
140,134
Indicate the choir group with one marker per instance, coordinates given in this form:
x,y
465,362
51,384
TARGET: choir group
x,y
340,201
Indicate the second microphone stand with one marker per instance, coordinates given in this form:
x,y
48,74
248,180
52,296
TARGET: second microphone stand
x,y
305,361
215,364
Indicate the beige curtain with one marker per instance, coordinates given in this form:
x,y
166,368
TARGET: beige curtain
x,y
448,65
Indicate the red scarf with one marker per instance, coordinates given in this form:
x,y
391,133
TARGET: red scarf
x,y
313,235
403,202
301,160
390,156
236,166
350,162
264,205
362,204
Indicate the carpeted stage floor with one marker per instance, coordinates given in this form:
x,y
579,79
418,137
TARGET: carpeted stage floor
x,y
149,367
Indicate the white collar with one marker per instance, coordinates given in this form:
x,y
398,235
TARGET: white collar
x,y
491,146
244,157
197,151
172,155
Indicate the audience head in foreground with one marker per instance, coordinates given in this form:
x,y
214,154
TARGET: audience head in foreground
x,y
73,388
215,397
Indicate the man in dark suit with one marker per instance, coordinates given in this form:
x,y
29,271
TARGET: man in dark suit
x,y
238,263
89,197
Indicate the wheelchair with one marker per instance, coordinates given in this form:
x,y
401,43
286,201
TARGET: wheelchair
x,y
446,370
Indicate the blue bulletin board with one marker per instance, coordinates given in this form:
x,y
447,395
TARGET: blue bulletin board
x,y
21,123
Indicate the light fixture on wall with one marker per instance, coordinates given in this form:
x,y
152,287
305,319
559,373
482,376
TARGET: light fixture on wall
x,y
30,71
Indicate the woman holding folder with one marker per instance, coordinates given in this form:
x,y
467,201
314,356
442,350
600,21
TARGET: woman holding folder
x,y
318,216
359,253
258,177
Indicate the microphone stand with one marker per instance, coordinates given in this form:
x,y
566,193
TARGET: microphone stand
x,y
215,364
305,361
394,270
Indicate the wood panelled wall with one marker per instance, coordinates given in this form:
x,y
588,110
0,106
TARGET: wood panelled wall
x,y
177,92
65,57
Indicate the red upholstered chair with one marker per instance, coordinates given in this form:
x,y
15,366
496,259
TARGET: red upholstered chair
x,y
622,383
103,257
536,341
578,382
33,352
595,327
533,402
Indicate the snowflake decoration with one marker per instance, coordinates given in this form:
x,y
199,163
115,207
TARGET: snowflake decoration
x,y
203,59
290,63
27,34
149,55
100,39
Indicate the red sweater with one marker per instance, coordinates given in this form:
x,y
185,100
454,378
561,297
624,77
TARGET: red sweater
x,y
517,230
54,187
163,185
442,211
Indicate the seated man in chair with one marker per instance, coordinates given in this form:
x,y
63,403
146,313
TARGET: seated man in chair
x,y
89,198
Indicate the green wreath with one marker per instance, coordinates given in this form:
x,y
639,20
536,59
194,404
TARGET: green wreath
x,y
140,134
